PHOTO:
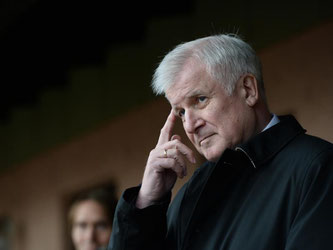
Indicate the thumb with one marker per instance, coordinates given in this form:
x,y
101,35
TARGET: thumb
x,y
176,137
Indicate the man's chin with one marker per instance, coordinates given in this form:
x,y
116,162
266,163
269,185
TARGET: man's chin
x,y
211,152
211,156
213,159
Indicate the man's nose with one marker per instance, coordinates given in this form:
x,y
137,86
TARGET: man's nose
x,y
192,122
91,234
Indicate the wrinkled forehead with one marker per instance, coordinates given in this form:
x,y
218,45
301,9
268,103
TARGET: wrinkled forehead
x,y
178,93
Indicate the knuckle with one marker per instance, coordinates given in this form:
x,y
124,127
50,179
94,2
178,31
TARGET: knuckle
x,y
176,140
151,153
178,153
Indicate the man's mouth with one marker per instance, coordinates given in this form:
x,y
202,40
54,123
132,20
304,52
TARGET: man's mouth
x,y
204,138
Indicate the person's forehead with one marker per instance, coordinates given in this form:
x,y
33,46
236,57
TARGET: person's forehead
x,y
185,90
88,210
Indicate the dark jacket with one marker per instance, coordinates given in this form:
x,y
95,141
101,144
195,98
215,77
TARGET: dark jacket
x,y
273,192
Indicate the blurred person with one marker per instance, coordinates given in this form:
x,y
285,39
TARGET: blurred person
x,y
90,219
266,185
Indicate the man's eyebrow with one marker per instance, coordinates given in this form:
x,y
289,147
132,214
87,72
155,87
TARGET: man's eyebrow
x,y
175,109
189,95
193,93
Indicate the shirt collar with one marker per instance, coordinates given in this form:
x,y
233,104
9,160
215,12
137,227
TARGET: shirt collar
x,y
274,120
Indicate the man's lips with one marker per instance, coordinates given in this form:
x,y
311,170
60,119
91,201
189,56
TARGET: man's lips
x,y
204,138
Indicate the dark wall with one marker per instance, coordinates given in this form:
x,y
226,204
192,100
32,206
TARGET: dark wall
x,y
69,66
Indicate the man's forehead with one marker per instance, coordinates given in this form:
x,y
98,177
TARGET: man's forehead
x,y
177,95
192,81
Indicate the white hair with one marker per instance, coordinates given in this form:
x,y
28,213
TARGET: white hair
x,y
226,58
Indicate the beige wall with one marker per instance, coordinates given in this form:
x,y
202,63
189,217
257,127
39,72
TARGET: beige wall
x,y
298,80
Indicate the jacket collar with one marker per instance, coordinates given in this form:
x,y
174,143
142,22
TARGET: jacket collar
x,y
268,143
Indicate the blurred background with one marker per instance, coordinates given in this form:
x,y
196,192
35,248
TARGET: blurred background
x,y
76,108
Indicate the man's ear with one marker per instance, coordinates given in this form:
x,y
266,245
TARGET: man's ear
x,y
250,88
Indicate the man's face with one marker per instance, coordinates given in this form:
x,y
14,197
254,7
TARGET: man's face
x,y
91,227
212,120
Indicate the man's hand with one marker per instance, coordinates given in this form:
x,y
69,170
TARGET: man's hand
x,y
166,162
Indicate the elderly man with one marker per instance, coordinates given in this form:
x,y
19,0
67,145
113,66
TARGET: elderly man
x,y
266,185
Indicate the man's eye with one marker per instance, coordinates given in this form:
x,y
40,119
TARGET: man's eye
x,y
81,226
181,112
202,98
102,226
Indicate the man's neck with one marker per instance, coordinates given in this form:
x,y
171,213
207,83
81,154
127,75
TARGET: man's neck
x,y
263,118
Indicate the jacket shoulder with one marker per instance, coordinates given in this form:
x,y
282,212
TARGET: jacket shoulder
x,y
309,145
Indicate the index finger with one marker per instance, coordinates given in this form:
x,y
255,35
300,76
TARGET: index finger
x,y
166,131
